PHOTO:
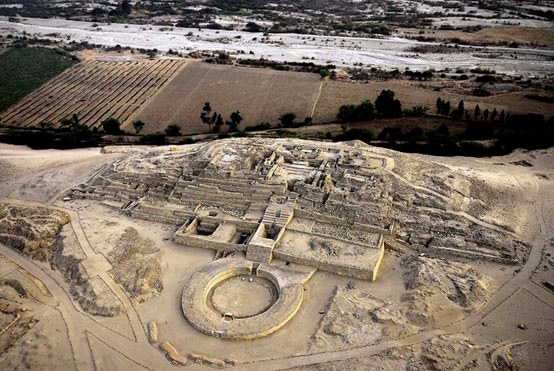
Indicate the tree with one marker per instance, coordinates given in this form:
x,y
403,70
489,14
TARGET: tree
x,y
287,120
138,125
476,113
458,112
308,121
461,108
387,106
125,7
218,123
236,118
367,109
111,126
446,108
75,120
323,73
501,118
172,130
95,12
347,112
486,114
479,130
494,114
439,106
205,115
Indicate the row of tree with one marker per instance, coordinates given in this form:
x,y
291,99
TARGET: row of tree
x,y
215,121
385,106
460,113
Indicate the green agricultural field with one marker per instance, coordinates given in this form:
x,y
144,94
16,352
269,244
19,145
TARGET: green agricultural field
x,y
22,70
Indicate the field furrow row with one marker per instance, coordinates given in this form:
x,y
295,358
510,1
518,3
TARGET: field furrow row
x,y
115,95
94,91
29,102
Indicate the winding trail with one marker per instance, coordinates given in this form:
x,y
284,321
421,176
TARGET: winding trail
x,y
78,322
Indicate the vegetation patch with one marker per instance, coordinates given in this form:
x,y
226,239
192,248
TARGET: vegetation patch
x,y
23,69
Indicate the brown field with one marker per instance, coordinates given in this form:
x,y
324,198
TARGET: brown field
x,y
95,91
336,93
167,92
522,35
261,95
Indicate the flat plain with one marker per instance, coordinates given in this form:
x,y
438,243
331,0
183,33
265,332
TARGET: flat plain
x,y
261,95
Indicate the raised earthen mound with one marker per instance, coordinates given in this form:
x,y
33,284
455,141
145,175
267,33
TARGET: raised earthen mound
x,y
460,282
136,267
33,231
356,318
92,293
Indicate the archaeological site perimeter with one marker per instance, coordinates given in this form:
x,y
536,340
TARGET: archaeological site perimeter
x,y
275,254
327,207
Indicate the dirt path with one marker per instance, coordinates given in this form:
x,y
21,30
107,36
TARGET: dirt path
x,y
78,323
317,98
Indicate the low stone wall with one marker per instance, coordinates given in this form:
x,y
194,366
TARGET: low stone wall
x,y
458,252
340,269
306,214
289,284
156,218
196,241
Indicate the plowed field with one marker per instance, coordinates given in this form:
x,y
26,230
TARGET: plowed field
x,y
94,91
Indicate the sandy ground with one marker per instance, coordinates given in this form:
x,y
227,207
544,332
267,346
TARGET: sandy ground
x,y
342,51
539,36
40,175
451,336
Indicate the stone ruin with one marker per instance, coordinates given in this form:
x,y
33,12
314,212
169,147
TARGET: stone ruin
x,y
268,203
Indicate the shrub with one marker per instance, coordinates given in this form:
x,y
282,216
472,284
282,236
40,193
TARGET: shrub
x,y
415,135
469,148
416,111
156,138
172,130
361,112
262,126
241,134
253,27
287,120
111,126
390,134
480,92
187,141
138,125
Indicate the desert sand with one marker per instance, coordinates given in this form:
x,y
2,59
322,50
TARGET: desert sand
x,y
91,282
